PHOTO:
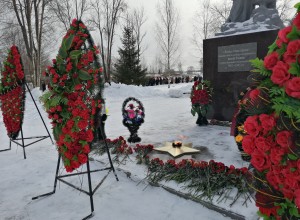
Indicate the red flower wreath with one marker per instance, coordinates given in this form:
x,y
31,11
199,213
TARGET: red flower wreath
x,y
201,97
69,103
273,135
12,94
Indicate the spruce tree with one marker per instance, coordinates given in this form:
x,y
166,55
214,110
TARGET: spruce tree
x,y
128,69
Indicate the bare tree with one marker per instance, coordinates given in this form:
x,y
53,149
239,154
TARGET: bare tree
x,y
167,34
221,11
209,18
203,25
207,21
10,35
65,10
106,15
285,11
138,19
30,17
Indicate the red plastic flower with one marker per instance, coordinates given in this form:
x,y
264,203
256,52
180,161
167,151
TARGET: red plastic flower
x,y
271,60
280,73
292,87
284,139
12,93
73,119
251,125
282,34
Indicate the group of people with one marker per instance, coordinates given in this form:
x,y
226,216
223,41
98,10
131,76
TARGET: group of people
x,y
154,81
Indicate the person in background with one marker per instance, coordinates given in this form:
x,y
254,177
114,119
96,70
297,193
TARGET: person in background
x,y
187,79
43,86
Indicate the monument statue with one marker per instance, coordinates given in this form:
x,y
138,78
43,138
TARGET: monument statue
x,y
246,17
242,9
265,3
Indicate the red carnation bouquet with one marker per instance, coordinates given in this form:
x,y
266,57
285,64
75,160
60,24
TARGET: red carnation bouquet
x,y
273,133
12,93
201,98
71,103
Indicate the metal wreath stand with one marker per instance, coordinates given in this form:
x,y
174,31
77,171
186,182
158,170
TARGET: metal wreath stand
x,y
22,138
91,191
99,119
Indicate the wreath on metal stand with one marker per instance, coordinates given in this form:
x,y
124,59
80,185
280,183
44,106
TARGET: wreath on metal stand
x,y
12,97
12,93
74,104
133,116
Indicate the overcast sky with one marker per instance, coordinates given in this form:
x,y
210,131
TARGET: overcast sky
x,y
187,10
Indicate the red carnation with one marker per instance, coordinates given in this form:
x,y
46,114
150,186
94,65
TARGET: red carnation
x,y
267,122
271,60
86,149
69,169
260,161
291,180
296,21
293,47
75,112
82,124
262,144
287,58
82,158
268,211
78,87
254,94
280,73
251,125
292,87
272,179
68,155
69,67
75,164
276,155
74,22
70,123
288,193
248,144
282,34
284,139
90,136
82,25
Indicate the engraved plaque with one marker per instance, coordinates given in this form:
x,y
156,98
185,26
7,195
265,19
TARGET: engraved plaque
x,y
235,58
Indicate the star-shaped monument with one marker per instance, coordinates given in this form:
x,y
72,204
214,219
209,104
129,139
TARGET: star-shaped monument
x,y
177,149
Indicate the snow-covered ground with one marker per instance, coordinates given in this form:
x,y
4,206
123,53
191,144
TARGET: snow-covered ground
x,y
166,119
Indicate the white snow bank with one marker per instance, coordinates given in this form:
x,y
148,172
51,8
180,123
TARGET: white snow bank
x,y
36,93
175,93
121,91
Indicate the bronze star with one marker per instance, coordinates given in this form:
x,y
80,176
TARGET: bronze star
x,y
177,149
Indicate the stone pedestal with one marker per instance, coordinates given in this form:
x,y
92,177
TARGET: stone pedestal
x,y
225,64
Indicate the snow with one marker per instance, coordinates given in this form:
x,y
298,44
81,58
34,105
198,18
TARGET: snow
x,y
166,119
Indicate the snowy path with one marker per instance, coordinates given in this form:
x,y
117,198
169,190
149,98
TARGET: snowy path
x,y
166,119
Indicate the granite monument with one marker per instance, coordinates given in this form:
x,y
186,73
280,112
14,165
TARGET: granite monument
x,y
226,57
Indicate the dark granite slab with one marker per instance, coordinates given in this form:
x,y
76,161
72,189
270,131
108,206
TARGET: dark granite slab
x,y
228,83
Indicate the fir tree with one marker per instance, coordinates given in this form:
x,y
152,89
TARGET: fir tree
x,y
128,67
